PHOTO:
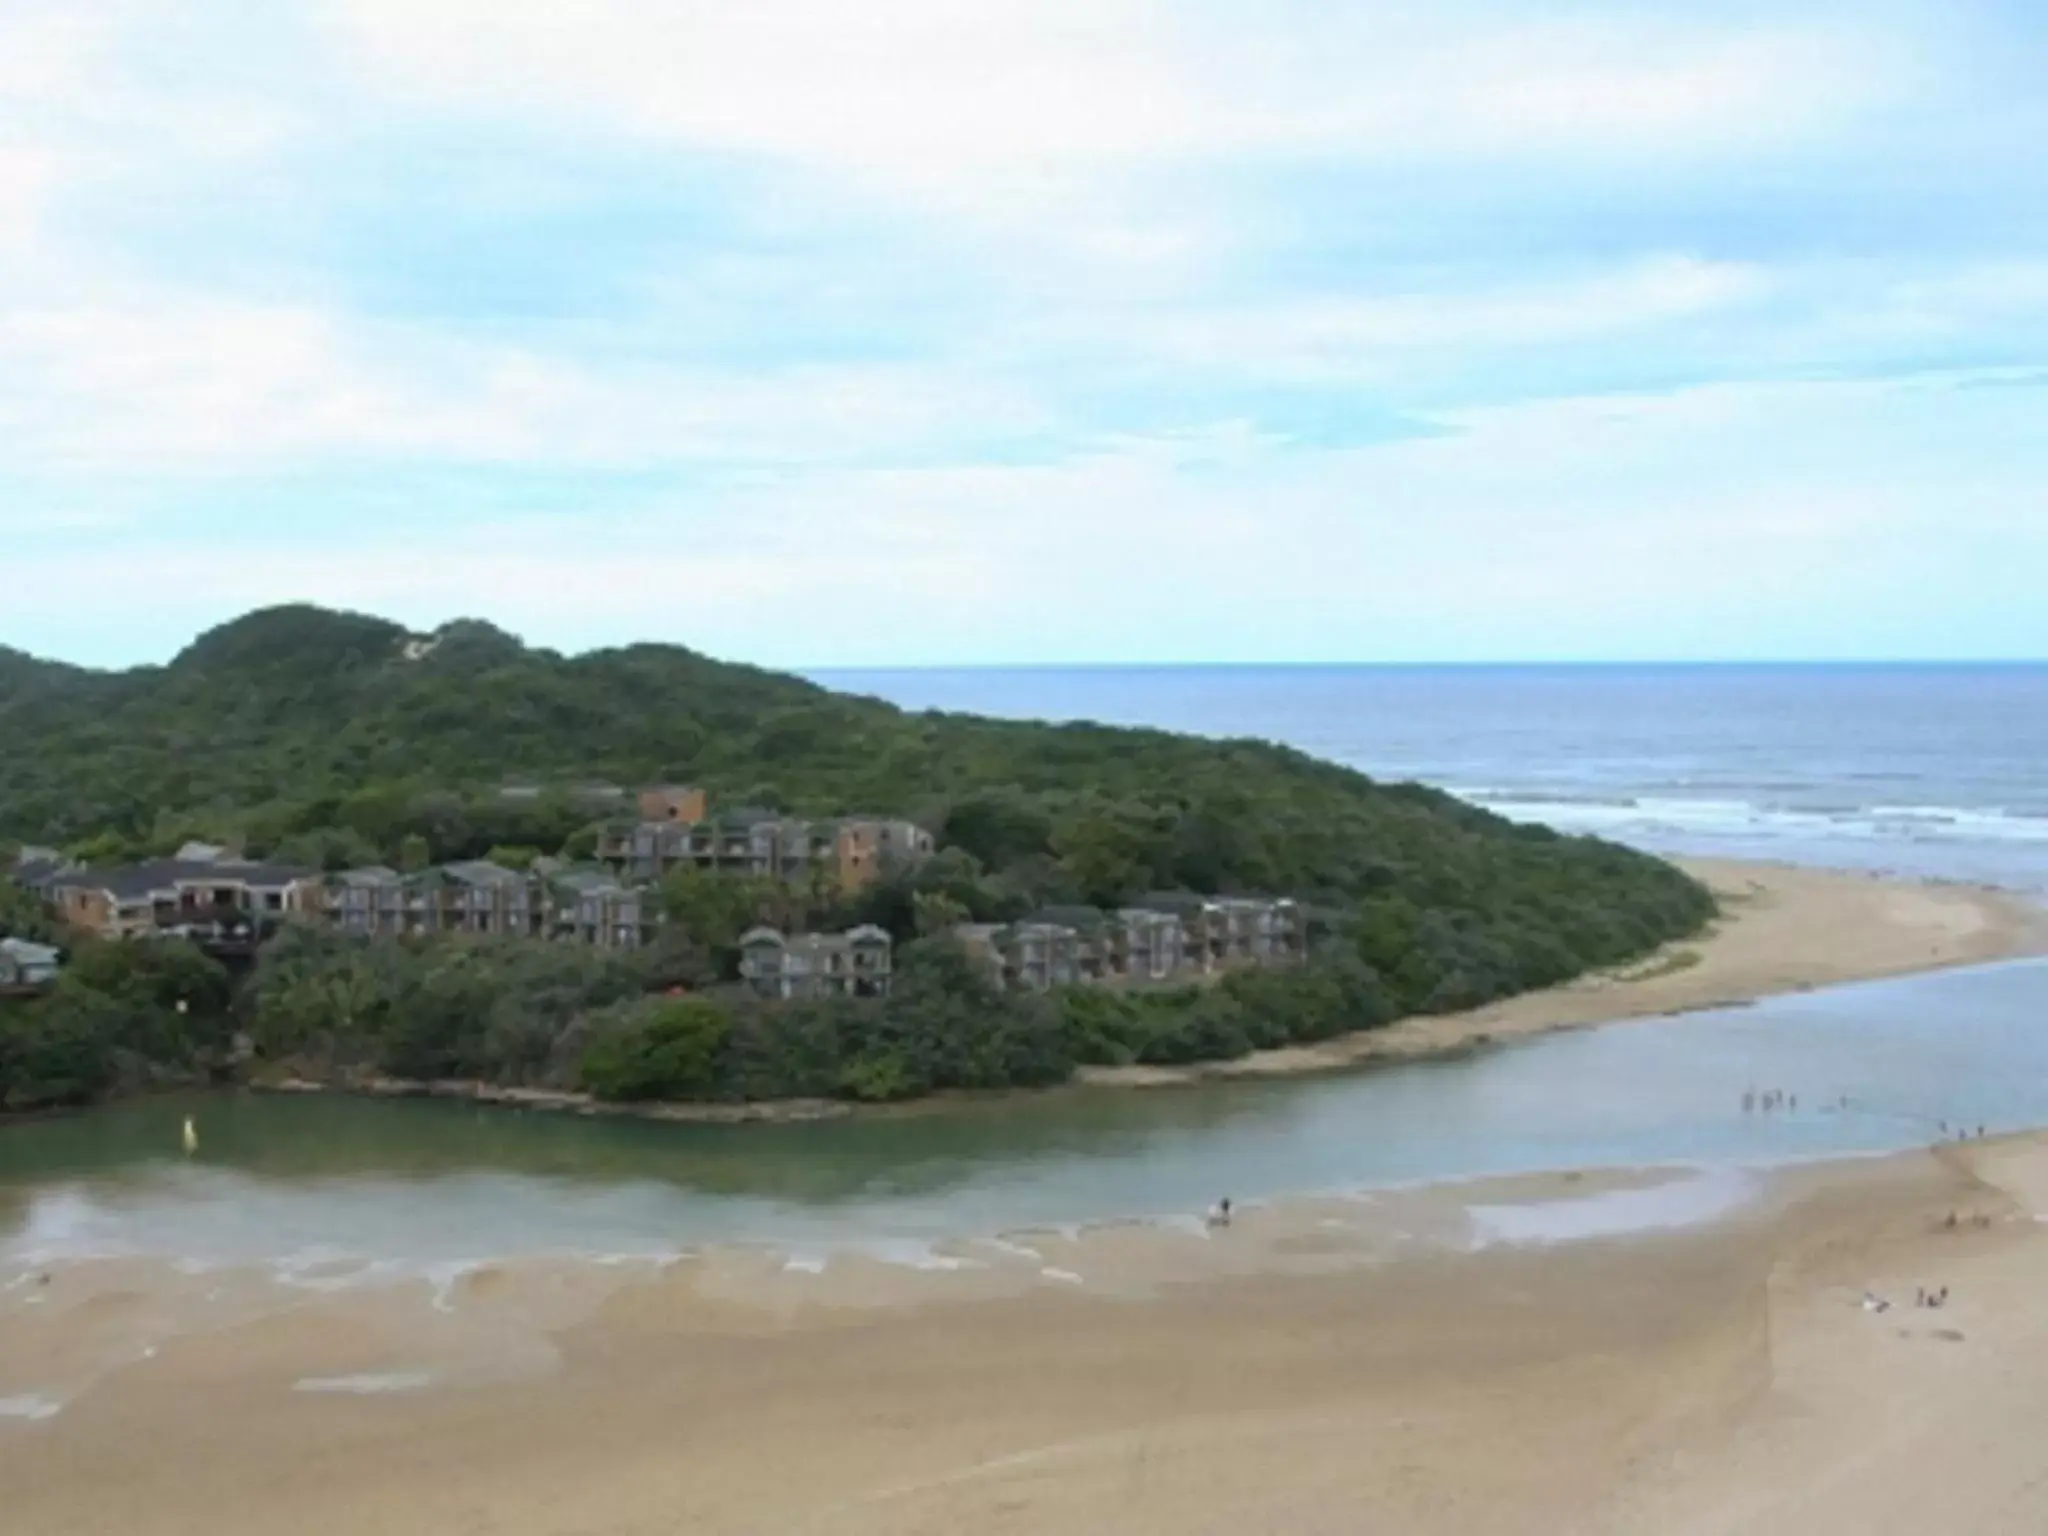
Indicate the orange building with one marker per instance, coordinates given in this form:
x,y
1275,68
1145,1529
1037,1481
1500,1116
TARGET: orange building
x,y
681,803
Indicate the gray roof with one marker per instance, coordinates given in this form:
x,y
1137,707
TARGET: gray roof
x,y
589,882
25,953
1081,919
38,868
482,872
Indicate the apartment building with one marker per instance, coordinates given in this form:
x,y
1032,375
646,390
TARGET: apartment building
x,y
1174,937
856,963
595,907
1029,957
1224,932
213,900
854,851
479,897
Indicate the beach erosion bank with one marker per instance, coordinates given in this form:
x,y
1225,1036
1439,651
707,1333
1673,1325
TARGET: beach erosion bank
x,y
1632,1350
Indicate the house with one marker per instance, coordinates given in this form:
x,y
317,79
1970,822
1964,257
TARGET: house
x,y
595,907
35,868
814,965
1224,932
1148,945
1170,937
371,902
477,896
223,902
1256,931
865,849
26,967
855,851
674,802
1029,957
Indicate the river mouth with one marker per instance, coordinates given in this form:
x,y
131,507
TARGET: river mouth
x,y
334,1191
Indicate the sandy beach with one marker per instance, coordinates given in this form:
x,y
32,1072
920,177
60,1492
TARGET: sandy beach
x,y
1782,929
1322,1367
1655,1350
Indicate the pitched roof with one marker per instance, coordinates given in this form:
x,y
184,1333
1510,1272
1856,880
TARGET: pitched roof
x,y
482,872
137,882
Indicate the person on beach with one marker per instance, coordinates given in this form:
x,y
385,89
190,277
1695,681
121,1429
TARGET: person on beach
x,y
1219,1213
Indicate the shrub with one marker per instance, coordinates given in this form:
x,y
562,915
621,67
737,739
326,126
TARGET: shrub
x,y
657,1050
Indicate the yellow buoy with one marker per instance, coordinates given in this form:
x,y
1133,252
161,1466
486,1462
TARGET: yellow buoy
x,y
191,1137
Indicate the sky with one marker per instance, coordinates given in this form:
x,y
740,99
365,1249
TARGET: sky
x,y
1051,331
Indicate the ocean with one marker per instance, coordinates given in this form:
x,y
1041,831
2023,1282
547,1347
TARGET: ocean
x,y
1934,771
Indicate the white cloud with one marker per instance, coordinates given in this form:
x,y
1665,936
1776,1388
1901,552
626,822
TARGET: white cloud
x,y
1365,336
180,381
25,179
972,107
1733,520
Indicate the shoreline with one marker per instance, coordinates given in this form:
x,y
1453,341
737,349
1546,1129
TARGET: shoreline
x,y
1784,928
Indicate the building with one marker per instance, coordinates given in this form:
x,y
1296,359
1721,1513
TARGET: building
x,y
1250,930
1225,932
815,965
1029,957
586,906
855,851
595,907
1170,938
35,868
674,802
375,902
1147,945
477,896
865,849
222,902
26,967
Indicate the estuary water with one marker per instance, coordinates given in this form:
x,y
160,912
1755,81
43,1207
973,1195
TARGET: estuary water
x,y
342,1187
1930,771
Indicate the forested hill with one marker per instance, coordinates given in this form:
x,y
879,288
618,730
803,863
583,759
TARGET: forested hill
x,y
330,737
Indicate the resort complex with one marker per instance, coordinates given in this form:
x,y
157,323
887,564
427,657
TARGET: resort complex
x,y
229,905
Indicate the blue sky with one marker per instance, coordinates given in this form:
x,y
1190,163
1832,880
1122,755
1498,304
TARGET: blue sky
x,y
1032,330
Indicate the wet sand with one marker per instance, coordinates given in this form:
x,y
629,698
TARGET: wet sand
x,y
1782,929
1326,1366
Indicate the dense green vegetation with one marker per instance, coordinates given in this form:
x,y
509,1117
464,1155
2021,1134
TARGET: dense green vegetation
x,y
616,1025
336,739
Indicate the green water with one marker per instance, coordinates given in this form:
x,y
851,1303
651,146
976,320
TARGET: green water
x,y
405,1182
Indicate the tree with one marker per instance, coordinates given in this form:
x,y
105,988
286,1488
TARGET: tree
x,y
659,1050
937,913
